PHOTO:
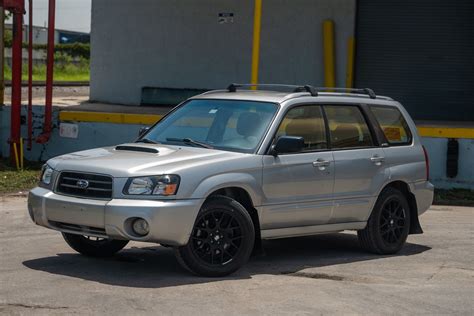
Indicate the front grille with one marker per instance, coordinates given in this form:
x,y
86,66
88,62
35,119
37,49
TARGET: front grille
x,y
85,185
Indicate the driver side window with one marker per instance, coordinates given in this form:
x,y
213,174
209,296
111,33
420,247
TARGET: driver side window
x,y
305,121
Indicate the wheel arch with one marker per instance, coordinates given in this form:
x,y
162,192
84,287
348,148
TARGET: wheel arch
x,y
243,197
404,187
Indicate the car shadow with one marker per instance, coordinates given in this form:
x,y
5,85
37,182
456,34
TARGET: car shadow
x,y
156,267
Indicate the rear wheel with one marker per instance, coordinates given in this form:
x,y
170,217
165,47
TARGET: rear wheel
x,y
221,241
94,246
388,226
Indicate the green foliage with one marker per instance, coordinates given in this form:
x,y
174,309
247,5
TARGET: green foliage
x,y
64,70
12,181
75,49
82,50
8,38
462,197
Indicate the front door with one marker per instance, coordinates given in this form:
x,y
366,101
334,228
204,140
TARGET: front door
x,y
298,187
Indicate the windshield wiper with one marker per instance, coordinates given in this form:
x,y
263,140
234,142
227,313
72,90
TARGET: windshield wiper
x,y
189,141
146,141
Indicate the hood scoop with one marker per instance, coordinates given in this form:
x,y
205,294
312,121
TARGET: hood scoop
x,y
137,148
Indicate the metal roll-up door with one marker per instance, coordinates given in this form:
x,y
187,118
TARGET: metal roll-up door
x,y
420,52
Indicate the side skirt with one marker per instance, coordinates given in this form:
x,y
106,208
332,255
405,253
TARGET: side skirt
x,y
310,230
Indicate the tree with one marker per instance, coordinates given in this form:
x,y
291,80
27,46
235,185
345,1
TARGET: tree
x,y
8,15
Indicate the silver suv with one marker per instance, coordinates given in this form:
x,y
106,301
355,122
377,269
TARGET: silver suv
x,y
228,168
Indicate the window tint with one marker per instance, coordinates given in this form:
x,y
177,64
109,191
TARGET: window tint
x,y
393,125
347,127
305,121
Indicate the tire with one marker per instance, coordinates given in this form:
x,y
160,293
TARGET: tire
x,y
389,224
221,241
91,247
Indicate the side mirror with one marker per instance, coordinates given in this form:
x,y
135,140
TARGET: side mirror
x,y
288,144
142,131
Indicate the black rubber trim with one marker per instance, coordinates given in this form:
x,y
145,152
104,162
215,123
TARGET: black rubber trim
x,y
377,131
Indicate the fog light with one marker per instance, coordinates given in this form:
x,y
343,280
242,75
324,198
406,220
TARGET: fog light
x,y
140,227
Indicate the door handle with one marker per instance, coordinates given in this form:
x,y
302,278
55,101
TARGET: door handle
x,y
321,164
377,160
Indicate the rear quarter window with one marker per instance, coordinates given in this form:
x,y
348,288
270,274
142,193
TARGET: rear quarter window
x,y
393,125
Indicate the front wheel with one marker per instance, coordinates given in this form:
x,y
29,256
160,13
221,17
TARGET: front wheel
x,y
221,241
388,226
94,246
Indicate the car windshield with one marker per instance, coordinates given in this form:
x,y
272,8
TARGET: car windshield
x,y
231,125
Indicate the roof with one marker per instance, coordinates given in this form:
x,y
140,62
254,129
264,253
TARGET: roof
x,y
278,96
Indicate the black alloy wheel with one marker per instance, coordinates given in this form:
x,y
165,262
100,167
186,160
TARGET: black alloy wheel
x,y
221,241
392,221
389,224
217,237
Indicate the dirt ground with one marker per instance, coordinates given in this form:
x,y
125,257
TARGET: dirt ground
x,y
58,91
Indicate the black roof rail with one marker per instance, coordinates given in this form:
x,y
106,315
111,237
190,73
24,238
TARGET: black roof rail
x,y
366,91
306,88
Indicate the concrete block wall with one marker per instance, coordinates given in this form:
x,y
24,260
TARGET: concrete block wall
x,y
180,44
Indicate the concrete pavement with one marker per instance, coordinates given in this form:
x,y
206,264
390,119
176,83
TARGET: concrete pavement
x,y
325,274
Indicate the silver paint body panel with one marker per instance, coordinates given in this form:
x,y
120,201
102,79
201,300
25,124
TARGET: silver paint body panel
x,y
293,196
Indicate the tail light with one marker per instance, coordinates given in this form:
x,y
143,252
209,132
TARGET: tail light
x,y
427,163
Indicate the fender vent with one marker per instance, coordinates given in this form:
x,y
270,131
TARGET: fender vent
x,y
137,148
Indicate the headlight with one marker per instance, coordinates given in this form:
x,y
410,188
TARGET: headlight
x,y
154,185
46,174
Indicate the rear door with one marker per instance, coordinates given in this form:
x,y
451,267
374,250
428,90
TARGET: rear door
x,y
298,187
359,163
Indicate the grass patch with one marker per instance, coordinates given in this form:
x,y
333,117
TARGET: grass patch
x,y
13,181
65,71
461,197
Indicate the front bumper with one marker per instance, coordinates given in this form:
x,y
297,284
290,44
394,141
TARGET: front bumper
x,y
171,221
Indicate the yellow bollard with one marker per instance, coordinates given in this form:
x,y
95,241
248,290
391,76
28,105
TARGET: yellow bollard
x,y
350,62
328,54
16,157
256,42
21,153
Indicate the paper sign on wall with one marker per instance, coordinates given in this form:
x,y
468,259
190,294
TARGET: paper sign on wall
x,y
68,130
225,17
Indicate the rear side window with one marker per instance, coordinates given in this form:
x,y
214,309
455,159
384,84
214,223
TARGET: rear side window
x,y
393,125
348,127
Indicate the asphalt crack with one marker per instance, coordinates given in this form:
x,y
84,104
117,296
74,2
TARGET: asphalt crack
x,y
321,276
32,306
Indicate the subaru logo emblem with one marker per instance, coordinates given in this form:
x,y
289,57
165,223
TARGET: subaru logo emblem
x,y
82,184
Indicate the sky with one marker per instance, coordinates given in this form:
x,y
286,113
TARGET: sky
x,y
71,15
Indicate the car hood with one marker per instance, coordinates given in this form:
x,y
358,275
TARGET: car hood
x,y
134,159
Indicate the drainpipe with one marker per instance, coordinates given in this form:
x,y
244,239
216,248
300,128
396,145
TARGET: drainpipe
x,y
48,108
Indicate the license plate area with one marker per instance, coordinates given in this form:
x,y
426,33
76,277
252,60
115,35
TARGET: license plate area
x,y
76,211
